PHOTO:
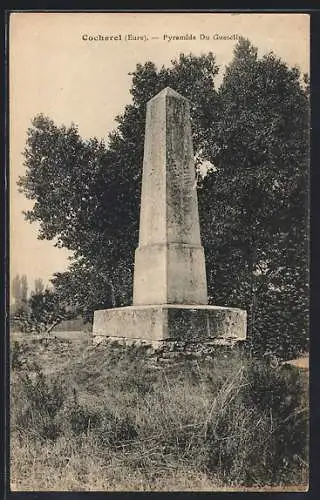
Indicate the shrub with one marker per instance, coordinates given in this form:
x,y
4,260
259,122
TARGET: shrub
x,y
279,394
36,401
15,356
108,429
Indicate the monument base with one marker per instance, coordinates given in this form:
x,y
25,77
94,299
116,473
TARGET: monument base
x,y
171,322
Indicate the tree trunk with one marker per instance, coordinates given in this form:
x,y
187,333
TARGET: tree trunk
x,y
51,327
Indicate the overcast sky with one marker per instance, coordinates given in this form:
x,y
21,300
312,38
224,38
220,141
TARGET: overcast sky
x,y
55,72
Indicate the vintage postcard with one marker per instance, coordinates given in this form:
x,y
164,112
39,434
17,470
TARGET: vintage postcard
x,y
159,280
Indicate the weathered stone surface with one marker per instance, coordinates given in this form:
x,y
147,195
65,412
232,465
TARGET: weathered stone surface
x,y
173,322
170,289
169,262
169,274
167,351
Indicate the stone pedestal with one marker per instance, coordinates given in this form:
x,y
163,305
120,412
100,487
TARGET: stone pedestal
x,y
170,289
171,322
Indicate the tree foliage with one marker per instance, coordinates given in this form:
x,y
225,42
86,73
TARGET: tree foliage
x,y
87,193
38,285
44,310
19,290
253,205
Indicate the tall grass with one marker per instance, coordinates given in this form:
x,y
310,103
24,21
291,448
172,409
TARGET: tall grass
x,y
115,420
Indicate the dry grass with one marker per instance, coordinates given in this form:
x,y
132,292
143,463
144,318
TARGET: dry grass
x,y
61,467
111,419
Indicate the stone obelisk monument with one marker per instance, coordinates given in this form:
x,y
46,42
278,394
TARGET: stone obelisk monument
x,y
170,290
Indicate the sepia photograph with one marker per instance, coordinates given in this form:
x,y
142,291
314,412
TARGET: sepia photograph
x,y
159,251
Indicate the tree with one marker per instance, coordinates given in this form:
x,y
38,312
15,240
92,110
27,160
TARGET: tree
x,y
24,289
46,310
98,218
253,204
256,220
20,292
84,290
16,290
38,285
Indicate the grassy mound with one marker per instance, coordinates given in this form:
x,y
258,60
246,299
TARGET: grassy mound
x,y
111,418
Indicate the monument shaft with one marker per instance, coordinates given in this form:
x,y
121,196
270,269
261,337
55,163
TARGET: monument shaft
x,y
169,262
170,289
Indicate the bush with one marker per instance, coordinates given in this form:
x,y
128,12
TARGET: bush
x,y
16,356
102,424
37,401
279,394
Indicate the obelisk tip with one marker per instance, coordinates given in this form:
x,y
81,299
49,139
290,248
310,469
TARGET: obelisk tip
x,y
168,92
